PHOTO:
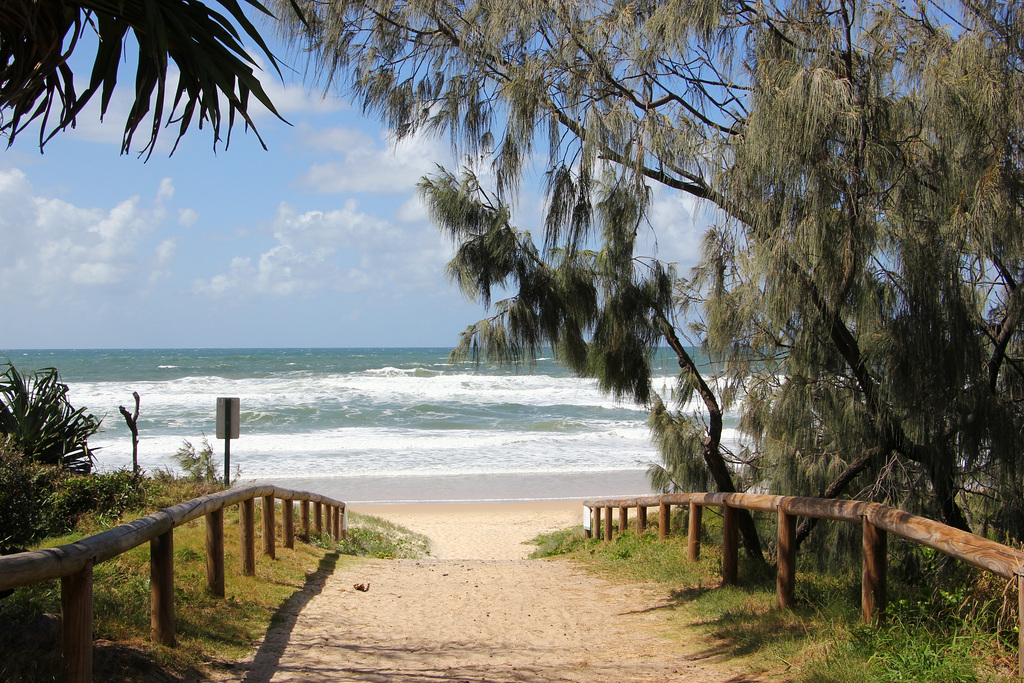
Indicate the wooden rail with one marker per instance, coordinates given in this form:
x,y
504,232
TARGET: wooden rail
x,y
73,563
875,519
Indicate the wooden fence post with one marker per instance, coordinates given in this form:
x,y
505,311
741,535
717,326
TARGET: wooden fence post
x,y
247,536
269,528
608,524
215,552
318,518
641,519
693,532
1020,625
341,523
161,588
288,522
76,620
597,522
730,547
872,584
304,516
623,519
785,580
664,523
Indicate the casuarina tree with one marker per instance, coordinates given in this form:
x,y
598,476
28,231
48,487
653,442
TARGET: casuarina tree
x,y
858,290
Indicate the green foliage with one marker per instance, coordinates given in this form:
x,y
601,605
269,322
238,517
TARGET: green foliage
x,y
371,536
681,445
558,543
926,639
38,419
24,486
199,466
37,501
108,496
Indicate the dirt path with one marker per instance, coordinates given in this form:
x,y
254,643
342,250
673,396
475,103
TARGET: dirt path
x,y
479,620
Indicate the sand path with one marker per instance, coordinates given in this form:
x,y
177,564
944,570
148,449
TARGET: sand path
x,y
478,611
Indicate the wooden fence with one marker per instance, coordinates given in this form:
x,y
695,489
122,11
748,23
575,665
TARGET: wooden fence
x,y
73,563
875,519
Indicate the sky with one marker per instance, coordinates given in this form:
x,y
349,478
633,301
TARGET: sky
x,y
320,241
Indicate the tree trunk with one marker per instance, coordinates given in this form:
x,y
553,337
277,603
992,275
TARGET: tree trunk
x,y
836,488
941,473
716,464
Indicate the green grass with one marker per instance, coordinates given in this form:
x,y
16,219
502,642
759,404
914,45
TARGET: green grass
x,y
951,626
375,537
211,632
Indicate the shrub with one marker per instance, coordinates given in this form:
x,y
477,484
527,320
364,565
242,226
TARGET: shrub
x,y
36,415
199,466
37,501
24,486
108,495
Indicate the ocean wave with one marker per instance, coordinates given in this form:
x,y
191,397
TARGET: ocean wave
x,y
363,412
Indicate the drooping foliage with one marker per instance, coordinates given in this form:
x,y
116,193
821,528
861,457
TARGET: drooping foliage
x,y
40,422
37,38
884,155
859,298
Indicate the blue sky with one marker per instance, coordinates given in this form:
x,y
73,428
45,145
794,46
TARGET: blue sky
x,y
319,242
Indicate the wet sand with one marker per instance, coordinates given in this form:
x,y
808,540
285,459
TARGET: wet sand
x,y
470,488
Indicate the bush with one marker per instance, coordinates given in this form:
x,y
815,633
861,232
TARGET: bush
x,y
199,466
109,495
37,501
24,486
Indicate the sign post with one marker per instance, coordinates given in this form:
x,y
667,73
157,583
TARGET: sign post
x,y
228,412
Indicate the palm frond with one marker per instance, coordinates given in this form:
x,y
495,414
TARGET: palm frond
x,y
37,38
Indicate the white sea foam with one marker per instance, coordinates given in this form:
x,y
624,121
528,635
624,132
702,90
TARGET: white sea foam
x,y
368,414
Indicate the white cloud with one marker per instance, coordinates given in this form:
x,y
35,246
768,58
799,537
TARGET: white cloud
x,y
677,228
412,210
343,250
165,252
62,249
187,217
291,97
166,191
369,165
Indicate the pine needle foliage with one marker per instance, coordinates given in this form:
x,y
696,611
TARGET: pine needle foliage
x,y
199,466
860,294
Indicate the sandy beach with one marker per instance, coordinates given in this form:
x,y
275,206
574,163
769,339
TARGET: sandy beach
x,y
497,531
478,611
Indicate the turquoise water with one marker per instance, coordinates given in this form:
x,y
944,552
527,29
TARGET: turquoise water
x,y
326,414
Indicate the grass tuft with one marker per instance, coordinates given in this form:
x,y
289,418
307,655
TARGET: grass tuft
x,y
371,536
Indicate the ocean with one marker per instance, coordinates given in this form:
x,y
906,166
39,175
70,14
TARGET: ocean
x,y
367,425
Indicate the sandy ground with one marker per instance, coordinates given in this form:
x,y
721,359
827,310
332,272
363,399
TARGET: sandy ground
x,y
477,611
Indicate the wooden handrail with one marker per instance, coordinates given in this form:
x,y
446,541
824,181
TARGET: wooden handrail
x,y
963,545
876,519
73,563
